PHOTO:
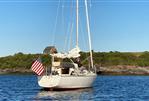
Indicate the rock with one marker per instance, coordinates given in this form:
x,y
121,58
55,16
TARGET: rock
x,y
123,70
14,70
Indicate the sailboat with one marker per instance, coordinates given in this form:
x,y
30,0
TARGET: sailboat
x,y
69,75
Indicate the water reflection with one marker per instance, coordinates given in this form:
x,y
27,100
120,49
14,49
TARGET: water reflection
x,y
66,95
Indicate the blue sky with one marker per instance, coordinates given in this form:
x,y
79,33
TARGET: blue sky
x,y
116,25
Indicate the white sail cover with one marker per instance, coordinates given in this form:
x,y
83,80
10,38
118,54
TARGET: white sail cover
x,y
74,53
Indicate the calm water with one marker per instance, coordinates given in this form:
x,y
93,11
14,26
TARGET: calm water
x,y
105,88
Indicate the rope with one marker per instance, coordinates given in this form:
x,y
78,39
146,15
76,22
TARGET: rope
x,y
70,38
68,35
67,1
54,30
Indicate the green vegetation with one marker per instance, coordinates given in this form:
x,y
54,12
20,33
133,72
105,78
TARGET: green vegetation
x,y
18,60
21,60
120,58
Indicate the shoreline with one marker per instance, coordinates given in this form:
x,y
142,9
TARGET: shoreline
x,y
15,71
123,70
109,70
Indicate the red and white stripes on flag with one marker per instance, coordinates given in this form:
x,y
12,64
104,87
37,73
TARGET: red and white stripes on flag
x,y
37,67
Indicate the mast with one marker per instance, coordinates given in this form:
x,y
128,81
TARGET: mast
x,y
77,22
89,34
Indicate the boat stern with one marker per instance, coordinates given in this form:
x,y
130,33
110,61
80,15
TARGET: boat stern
x,y
48,81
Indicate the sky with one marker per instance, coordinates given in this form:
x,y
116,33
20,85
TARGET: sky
x,y
29,26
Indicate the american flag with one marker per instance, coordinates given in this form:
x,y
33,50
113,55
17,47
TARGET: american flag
x,y
37,67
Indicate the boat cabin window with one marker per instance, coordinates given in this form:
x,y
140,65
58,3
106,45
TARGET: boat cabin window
x,y
65,71
67,65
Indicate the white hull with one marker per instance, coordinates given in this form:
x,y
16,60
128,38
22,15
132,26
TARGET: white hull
x,y
66,81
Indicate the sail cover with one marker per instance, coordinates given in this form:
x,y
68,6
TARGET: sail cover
x,y
73,53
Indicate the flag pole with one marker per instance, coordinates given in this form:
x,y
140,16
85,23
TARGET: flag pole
x,y
46,70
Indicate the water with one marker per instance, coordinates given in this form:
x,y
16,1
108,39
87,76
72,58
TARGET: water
x,y
105,88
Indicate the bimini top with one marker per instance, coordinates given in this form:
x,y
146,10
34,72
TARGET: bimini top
x,y
74,53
